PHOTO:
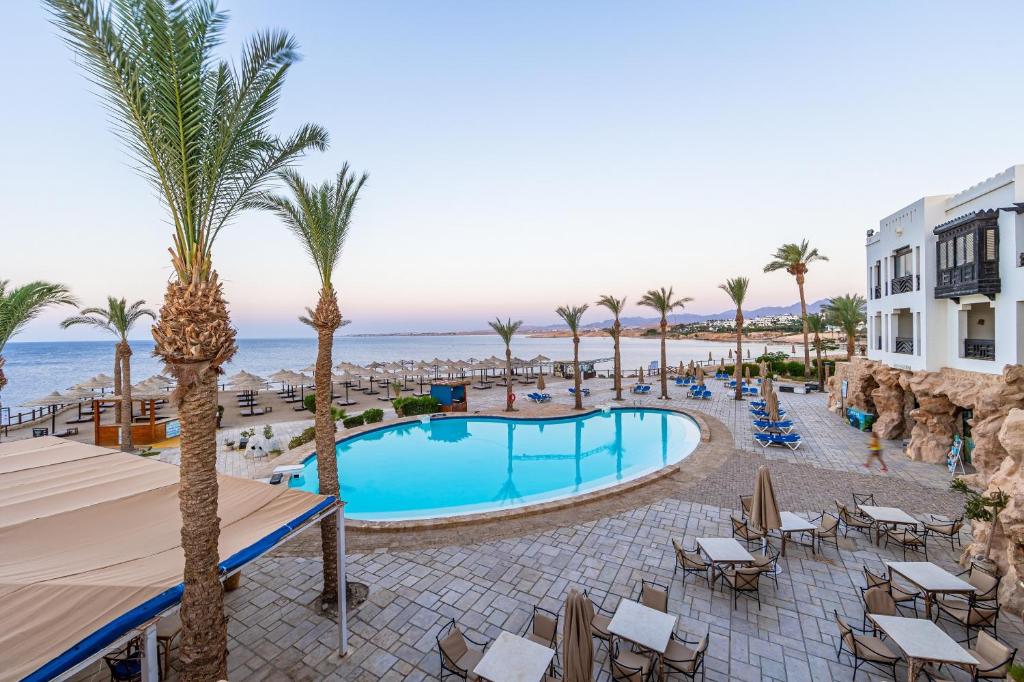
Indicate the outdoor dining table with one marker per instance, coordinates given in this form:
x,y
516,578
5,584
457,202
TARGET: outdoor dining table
x,y
791,523
888,516
723,551
931,579
922,641
512,658
650,628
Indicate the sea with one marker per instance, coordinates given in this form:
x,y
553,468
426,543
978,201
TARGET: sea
x,y
35,369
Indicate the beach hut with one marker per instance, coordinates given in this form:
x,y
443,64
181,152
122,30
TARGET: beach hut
x,y
450,394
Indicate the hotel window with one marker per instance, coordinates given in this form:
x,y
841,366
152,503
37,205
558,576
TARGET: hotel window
x,y
991,245
901,262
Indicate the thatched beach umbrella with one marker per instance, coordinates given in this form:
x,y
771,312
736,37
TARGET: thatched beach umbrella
x,y
577,641
100,381
764,510
51,401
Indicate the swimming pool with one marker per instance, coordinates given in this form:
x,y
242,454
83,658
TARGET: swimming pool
x,y
463,465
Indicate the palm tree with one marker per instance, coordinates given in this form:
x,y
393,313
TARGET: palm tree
x,y
117,318
737,290
506,330
794,259
21,305
320,216
615,306
848,313
199,128
572,314
816,325
664,302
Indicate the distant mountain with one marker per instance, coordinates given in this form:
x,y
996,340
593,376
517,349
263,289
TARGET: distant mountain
x,y
685,318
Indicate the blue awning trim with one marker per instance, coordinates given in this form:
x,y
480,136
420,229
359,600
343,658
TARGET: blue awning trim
x,y
109,633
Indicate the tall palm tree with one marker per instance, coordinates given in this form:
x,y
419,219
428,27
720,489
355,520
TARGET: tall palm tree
x,y
664,301
199,128
848,313
615,306
506,330
320,217
117,318
816,325
737,287
21,305
794,259
572,314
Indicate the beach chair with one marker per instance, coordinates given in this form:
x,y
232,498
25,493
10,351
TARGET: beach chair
x,y
680,382
765,425
790,440
705,394
584,391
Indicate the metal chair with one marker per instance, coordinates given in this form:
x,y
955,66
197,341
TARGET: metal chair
x,y
653,596
690,561
680,659
457,658
865,649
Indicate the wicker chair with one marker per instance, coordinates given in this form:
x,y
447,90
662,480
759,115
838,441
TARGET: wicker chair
x,y
690,561
457,658
865,649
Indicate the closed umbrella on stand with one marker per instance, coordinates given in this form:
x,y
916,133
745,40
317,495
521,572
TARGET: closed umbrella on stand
x,y
540,382
640,376
700,377
577,640
764,509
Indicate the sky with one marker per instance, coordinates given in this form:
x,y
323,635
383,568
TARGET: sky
x,y
528,155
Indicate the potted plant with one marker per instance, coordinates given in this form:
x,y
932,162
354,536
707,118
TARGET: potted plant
x,y
268,437
985,508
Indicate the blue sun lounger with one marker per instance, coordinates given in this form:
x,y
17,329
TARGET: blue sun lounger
x,y
764,425
539,397
790,440
584,391
760,413
642,389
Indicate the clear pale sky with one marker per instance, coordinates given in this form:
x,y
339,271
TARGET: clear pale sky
x,y
532,154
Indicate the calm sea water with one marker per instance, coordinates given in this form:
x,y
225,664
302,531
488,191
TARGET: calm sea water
x,y
38,368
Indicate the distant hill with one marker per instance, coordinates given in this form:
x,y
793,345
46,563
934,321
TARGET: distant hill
x,y
684,318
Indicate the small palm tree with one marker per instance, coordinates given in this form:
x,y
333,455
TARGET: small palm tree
x,y
848,313
664,302
615,306
117,318
737,290
320,216
200,130
794,259
21,305
816,325
506,330
572,314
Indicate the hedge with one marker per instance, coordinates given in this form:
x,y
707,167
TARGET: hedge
x,y
353,421
413,405
373,415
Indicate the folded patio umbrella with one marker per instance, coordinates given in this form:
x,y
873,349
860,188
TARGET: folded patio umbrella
x,y
577,642
772,403
540,382
764,510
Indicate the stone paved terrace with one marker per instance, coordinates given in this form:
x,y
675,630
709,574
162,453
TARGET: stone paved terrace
x,y
489,584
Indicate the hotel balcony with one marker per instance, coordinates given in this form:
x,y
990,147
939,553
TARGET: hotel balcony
x,y
967,253
980,349
902,285
904,345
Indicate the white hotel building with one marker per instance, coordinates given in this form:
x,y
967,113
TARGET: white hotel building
x,y
945,280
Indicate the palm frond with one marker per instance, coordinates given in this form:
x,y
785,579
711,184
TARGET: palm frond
x,y
20,305
614,305
571,315
736,288
117,318
506,330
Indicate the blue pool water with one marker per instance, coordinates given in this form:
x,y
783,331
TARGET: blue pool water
x,y
464,465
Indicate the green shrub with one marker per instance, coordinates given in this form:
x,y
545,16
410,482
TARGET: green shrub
x,y
305,437
353,421
309,402
373,415
413,405
794,368
1017,672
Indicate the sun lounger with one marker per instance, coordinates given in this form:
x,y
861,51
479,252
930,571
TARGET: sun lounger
x,y
642,389
790,440
762,414
538,397
765,425
584,391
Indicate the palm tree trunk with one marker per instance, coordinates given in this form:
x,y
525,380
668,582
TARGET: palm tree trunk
x,y
3,382
739,354
664,358
118,388
194,338
803,314
618,359
508,378
326,319
817,352
850,344
125,353
576,370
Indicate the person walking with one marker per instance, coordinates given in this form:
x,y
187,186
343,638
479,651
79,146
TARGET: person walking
x,y
875,451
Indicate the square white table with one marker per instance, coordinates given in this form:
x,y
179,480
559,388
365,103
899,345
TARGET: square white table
x,y
650,628
890,516
923,641
723,551
512,658
931,579
791,523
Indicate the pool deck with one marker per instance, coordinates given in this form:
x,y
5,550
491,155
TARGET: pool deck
x,y
489,576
